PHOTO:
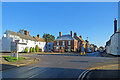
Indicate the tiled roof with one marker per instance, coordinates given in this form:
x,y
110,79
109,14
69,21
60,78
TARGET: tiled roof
x,y
80,38
22,36
39,39
65,37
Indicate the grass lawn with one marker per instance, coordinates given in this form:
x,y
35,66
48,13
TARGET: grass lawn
x,y
12,59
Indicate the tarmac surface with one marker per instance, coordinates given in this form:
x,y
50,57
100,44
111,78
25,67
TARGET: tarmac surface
x,y
65,66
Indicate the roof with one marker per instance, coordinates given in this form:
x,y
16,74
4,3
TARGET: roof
x,y
22,35
79,38
118,30
65,37
39,39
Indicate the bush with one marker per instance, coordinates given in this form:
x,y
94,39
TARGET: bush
x,y
26,50
36,48
72,50
33,49
30,49
66,50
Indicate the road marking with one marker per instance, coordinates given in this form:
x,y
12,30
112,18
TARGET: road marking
x,y
81,76
37,74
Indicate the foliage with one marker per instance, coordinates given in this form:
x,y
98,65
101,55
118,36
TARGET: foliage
x,y
36,48
12,59
66,50
21,31
48,38
101,47
72,50
26,50
30,49
33,49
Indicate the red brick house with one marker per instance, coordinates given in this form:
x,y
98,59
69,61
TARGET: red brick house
x,y
65,43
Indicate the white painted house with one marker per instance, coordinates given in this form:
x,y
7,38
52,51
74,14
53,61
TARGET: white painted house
x,y
113,45
24,40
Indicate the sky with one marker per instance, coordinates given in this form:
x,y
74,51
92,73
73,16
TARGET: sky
x,y
94,20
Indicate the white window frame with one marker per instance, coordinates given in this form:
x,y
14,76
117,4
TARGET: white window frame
x,y
57,42
63,42
69,42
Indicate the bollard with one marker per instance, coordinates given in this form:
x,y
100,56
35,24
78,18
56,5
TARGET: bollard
x,y
81,53
84,52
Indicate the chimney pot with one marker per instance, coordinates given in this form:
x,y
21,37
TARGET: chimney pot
x,y
60,34
26,32
71,33
38,36
115,25
80,36
75,34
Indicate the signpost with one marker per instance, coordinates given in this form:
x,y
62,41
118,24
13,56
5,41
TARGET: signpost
x,y
14,49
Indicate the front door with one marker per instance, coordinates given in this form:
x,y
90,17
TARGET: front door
x,y
69,49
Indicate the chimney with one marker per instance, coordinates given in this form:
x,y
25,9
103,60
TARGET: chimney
x,y
115,25
26,32
60,34
80,36
75,34
71,33
38,36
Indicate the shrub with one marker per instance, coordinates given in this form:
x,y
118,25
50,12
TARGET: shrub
x,y
66,50
72,50
36,48
26,50
33,49
30,49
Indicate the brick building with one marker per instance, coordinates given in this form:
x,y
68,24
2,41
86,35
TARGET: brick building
x,y
82,45
65,43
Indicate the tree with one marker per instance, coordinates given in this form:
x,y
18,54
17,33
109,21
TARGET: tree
x,y
36,48
26,50
101,47
48,38
21,31
33,49
30,49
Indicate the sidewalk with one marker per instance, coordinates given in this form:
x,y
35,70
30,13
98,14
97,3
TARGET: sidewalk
x,y
8,65
110,72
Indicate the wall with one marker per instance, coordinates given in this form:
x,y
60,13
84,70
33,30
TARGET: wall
x,y
114,44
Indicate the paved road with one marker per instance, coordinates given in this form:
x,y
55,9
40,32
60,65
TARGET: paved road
x,y
59,66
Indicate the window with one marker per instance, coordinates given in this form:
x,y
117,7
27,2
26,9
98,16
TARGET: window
x,y
69,42
22,40
27,41
63,43
58,43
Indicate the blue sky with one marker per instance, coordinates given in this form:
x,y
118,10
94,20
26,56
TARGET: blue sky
x,y
90,19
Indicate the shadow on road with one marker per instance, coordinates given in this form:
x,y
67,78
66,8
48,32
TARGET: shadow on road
x,y
103,75
7,66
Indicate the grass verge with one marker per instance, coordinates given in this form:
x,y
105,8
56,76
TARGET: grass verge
x,y
12,59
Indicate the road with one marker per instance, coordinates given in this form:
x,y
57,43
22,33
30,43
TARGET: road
x,y
59,66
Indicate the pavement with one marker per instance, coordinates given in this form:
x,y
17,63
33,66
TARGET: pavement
x,y
9,65
109,72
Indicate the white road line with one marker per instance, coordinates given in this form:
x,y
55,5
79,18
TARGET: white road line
x,y
36,74
82,75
